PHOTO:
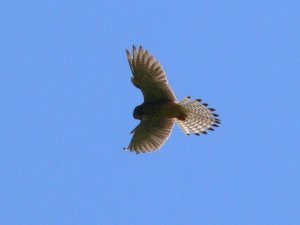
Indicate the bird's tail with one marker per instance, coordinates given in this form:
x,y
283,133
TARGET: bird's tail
x,y
199,118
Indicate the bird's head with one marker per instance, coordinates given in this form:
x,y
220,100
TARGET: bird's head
x,y
138,112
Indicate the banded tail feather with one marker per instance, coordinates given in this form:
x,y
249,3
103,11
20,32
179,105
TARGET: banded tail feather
x,y
199,118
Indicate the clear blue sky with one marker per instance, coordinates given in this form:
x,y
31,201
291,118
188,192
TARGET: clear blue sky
x,y
67,102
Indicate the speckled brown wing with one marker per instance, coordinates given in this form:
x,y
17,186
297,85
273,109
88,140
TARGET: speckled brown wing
x,y
150,135
149,76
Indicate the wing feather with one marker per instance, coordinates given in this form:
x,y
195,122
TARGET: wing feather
x,y
150,135
149,76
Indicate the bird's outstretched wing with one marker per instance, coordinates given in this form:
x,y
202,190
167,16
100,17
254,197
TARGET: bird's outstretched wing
x,y
150,135
149,76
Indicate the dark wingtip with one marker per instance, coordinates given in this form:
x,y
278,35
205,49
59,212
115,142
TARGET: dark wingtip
x,y
198,100
215,125
215,115
205,104
189,97
204,132
128,53
212,109
212,129
197,134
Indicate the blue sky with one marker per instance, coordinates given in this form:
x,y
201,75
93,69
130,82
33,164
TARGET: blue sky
x,y
67,102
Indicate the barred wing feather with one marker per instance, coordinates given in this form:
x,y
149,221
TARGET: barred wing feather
x,y
150,135
149,76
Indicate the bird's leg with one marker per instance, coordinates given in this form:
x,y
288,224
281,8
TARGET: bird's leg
x,y
182,116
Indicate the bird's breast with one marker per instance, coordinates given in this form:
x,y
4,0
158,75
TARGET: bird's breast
x,y
163,110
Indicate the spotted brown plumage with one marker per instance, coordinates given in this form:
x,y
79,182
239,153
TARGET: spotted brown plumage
x,y
160,109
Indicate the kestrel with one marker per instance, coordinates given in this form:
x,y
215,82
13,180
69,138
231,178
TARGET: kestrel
x,y
160,109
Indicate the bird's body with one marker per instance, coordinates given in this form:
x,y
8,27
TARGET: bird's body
x,y
160,109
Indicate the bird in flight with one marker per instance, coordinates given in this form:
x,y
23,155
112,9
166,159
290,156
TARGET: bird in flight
x,y
160,109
